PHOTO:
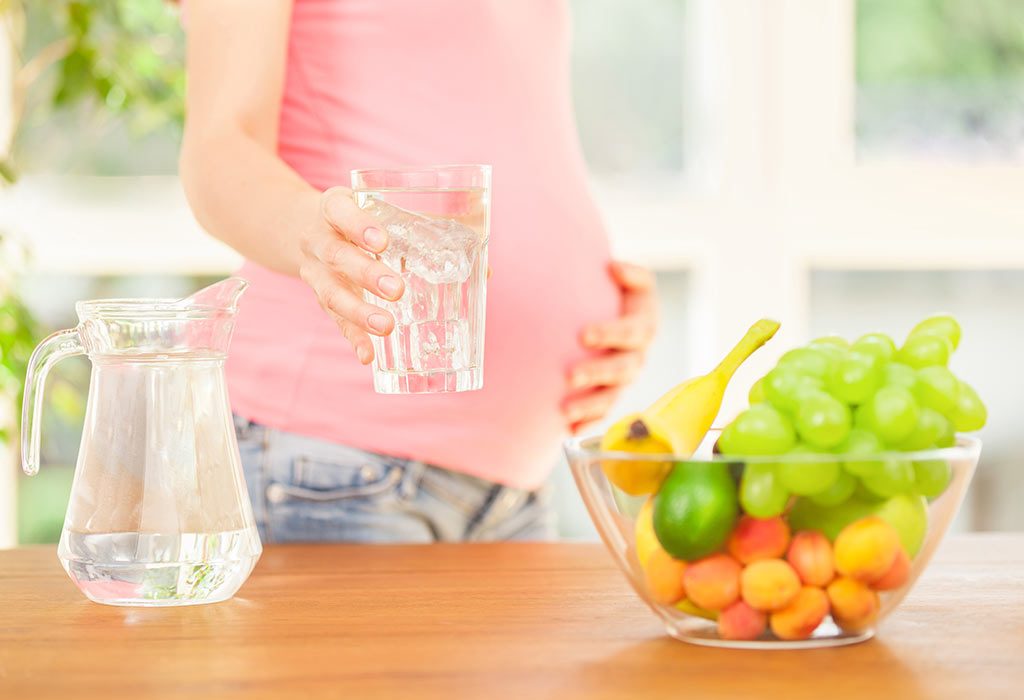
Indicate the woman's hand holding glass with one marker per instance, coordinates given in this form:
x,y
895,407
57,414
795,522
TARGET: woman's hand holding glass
x,y
338,263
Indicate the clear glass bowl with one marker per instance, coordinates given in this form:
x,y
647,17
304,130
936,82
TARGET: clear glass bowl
x,y
919,521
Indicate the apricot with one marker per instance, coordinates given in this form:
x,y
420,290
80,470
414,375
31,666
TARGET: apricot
x,y
801,617
759,538
713,582
810,555
866,548
854,605
897,574
769,584
664,577
740,621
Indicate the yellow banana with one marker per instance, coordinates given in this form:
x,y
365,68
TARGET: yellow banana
x,y
678,421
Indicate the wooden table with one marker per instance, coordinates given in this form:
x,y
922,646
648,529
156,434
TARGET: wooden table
x,y
488,621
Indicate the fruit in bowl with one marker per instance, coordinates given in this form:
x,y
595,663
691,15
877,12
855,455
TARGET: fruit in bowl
x,y
808,517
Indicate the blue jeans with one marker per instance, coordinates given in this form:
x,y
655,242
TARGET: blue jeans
x,y
309,490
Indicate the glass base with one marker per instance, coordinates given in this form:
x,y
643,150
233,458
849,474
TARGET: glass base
x,y
705,633
436,381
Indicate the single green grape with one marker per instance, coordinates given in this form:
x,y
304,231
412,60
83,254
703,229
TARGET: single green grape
x,y
756,394
942,325
807,361
761,493
891,414
823,421
864,443
937,388
837,493
931,427
785,387
855,378
899,374
925,350
876,344
931,477
947,438
970,413
895,477
760,430
833,340
804,477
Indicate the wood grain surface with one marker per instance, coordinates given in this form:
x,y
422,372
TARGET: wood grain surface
x,y
488,621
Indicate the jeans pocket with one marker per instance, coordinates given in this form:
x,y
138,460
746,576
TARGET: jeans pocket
x,y
326,482
349,495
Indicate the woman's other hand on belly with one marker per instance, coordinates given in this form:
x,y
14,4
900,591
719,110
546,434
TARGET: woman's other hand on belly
x,y
595,383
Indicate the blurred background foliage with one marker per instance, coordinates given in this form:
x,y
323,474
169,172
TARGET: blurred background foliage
x,y
102,84
941,77
99,90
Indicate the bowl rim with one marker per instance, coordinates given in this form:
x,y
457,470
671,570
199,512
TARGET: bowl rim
x,y
967,447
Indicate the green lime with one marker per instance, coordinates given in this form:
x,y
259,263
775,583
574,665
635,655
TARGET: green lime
x,y
695,510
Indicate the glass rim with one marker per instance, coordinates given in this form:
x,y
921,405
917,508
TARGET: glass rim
x,y
148,309
468,169
445,167
966,447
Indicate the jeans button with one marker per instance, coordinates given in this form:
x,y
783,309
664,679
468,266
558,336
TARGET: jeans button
x,y
276,494
368,473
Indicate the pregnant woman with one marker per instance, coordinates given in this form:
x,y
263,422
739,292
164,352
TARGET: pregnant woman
x,y
285,97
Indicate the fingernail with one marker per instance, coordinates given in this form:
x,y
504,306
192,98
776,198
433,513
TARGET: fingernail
x,y
378,322
375,238
389,285
591,337
579,379
363,353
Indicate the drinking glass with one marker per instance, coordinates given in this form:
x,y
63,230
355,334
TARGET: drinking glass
x,y
437,220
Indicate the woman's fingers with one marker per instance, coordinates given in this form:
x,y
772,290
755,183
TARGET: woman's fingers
x,y
357,338
614,369
633,332
589,407
356,266
345,301
342,213
632,278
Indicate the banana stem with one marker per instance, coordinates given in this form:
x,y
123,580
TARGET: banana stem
x,y
758,334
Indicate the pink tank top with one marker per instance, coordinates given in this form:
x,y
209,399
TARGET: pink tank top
x,y
377,83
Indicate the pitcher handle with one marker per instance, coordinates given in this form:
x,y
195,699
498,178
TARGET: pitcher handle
x,y
56,347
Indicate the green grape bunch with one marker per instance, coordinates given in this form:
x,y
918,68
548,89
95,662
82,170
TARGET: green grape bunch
x,y
832,416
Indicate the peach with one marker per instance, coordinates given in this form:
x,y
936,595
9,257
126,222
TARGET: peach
x,y
664,577
801,617
740,621
769,584
810,555
713,582
866,548
897,574
759,538
854,605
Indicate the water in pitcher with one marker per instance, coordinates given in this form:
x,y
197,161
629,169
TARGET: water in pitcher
x,y
159,513
438,245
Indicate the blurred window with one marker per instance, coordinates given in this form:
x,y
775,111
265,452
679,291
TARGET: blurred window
x,y
941,78
627,84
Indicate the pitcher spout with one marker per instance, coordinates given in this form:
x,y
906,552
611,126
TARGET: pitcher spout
x,y
223,295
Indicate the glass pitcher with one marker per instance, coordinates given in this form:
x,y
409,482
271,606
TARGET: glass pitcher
x,y
159,513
